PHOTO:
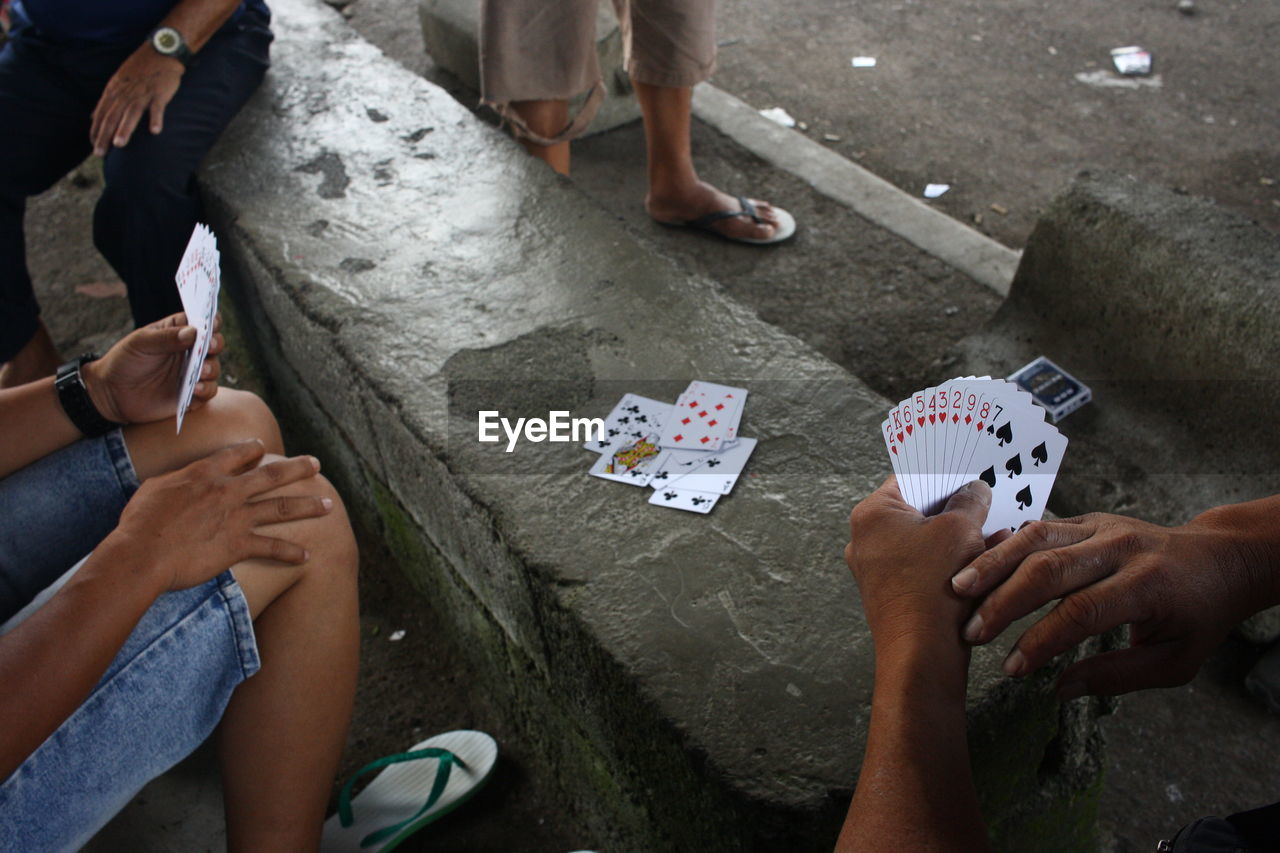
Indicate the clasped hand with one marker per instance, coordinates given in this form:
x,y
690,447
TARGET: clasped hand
x,y
1180,590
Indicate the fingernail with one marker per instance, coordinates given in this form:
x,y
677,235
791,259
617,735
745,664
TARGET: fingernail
x,y
1015,664
973,631
978,487
964,581
327,503
306,555
199,387
315,463
1069,690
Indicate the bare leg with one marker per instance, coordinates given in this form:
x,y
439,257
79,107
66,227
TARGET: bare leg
x,y
283,733
38,359
675,192
229,417
546,118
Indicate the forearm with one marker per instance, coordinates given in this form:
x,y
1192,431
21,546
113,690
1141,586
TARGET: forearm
x,y
51,662
32,425
1247,535
915,790
198,20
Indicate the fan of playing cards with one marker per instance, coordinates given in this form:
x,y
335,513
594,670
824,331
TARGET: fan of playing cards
x,y
689,453
973,428
199,278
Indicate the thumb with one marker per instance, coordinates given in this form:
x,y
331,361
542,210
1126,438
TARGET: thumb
x,y
971,501
159,340
1126,670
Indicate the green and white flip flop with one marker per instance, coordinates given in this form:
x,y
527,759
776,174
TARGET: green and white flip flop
x,y
418,786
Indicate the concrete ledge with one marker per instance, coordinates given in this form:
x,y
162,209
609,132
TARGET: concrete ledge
x,y
698,683
1168,306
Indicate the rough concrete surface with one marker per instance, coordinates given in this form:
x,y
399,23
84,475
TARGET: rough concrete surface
x,y
1221,761
1167,306
673,666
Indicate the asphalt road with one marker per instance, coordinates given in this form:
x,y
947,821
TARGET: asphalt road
x,y
984,95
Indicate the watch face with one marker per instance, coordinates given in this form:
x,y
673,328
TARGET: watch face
x,y
166,40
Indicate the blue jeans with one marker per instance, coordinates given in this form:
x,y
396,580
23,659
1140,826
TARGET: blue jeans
x,y
167,687
48,91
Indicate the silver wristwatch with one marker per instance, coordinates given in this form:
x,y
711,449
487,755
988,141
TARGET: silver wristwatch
x,y
169,42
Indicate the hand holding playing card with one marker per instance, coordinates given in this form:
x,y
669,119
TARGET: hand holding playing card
x,y
1180,589
902,562
971,428
138,380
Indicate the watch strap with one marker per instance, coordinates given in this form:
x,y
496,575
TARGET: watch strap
x,y
75,399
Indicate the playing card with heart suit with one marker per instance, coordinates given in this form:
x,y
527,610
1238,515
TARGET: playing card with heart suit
x,y
631,419
685,499
980,429
907,433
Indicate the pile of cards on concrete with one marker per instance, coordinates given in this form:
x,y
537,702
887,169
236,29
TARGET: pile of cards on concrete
x,y
973,428
689,453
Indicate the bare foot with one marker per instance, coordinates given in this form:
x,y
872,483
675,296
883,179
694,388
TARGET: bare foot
x,y
701,199
38,359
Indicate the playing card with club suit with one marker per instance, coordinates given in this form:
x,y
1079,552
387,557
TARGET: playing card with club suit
x,y
703,416
720,471
633,464
631,419
685,499
674,464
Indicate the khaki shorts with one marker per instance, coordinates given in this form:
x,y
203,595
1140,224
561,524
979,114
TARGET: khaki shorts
x,y
542,50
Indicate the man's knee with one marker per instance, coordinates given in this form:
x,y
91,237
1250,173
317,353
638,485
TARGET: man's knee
x,y
331,570
231,416
146,171
240,415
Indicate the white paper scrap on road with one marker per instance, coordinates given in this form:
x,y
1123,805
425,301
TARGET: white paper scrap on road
x,y
935,190
864,62
779,115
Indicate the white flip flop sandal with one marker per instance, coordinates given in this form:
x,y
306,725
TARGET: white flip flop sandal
x,y
416,787
786,225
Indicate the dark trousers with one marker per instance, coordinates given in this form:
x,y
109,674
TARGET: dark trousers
x,y
149,206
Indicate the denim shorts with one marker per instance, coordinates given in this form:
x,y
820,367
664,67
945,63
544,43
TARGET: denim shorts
x,y
161,696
